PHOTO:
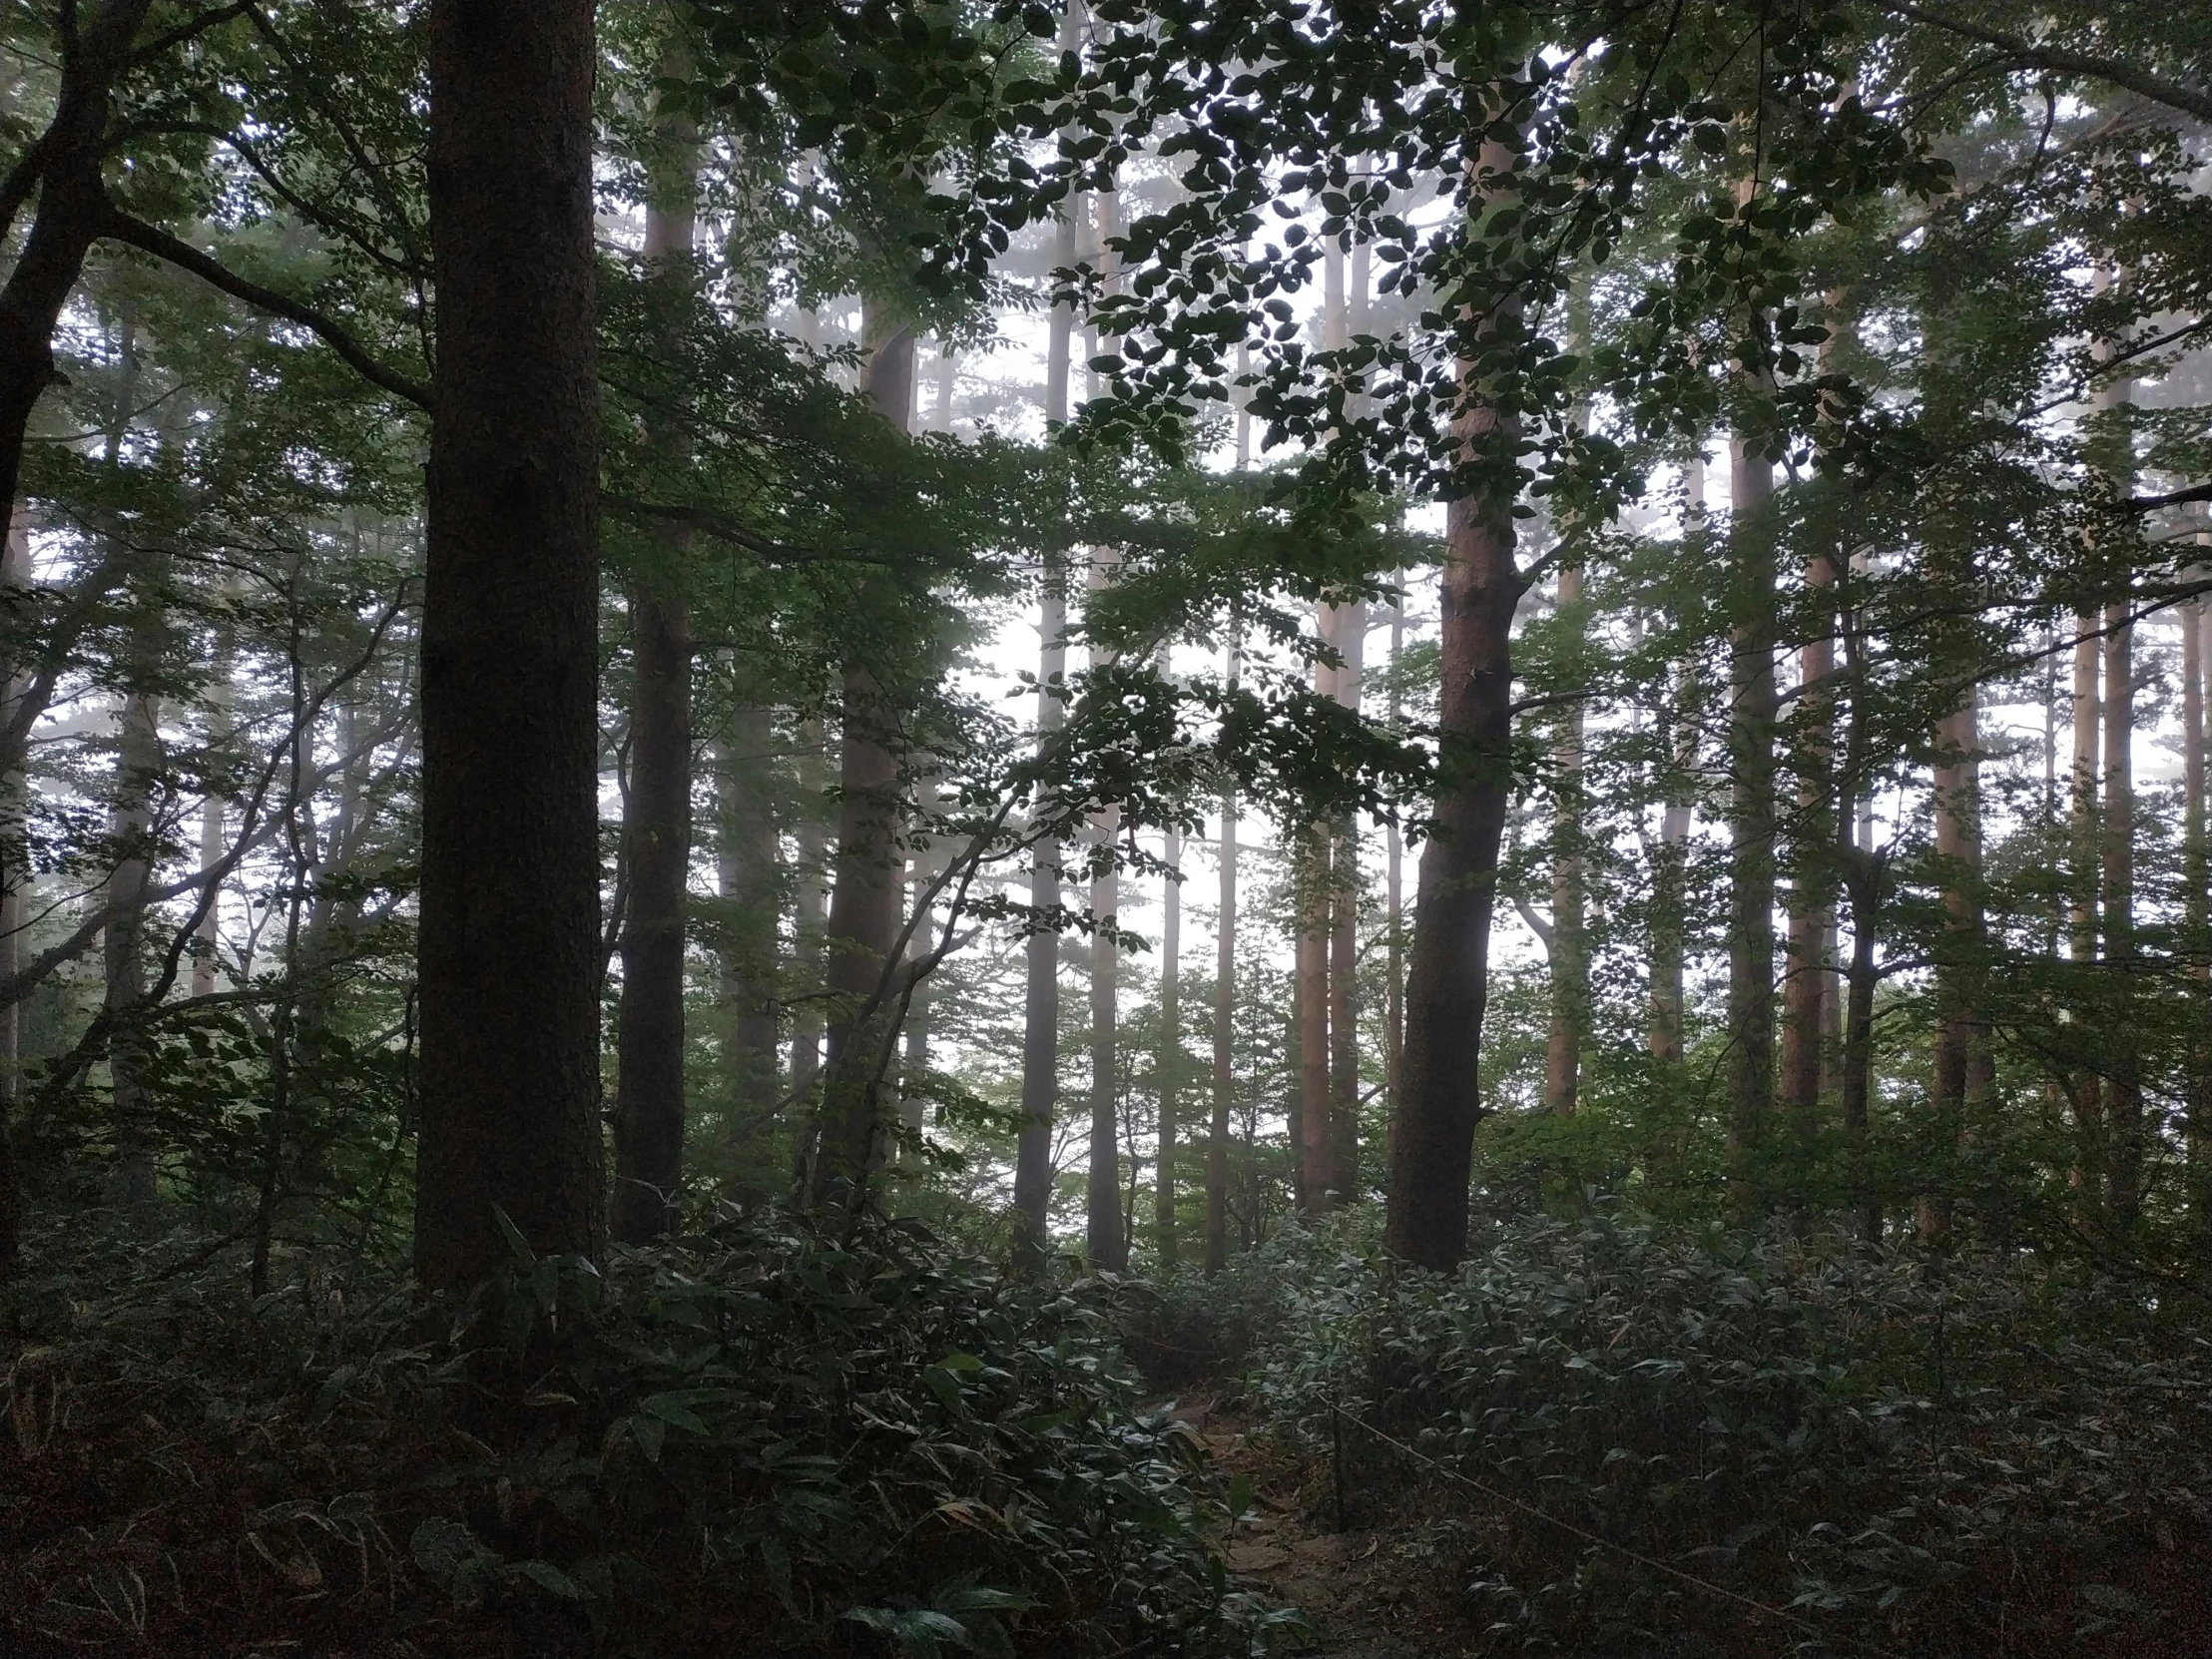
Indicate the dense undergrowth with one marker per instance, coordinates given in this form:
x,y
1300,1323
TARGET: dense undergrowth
x,y
765,1442
1979,1453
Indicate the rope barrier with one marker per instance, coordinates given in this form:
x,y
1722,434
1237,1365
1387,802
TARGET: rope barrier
x,y
1676,1573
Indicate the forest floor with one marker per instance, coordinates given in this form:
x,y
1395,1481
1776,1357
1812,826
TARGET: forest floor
x,y
1386,1584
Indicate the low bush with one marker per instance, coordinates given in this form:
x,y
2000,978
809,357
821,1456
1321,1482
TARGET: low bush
x,y
761,1441
1973,1453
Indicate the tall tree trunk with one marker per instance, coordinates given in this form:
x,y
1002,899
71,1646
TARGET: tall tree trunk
x,y
864,904
2196,902
747,856
1106,1243
1570,986
1812,903
1448,981
138,768
1343,941
1225,1013
207,969
1317,1148
1961,1051
1394,882
508,955
15,579
811,909
1040,1042
2123,1098
1169,1065
1751,829
2084,1090
657,815
1670,862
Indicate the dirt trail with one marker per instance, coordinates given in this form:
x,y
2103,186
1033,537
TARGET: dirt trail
x,y
1381,1588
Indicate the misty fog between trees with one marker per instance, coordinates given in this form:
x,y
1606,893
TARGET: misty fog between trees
x,y
1105,827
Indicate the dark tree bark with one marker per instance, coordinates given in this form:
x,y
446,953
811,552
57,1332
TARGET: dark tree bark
x,y
1811,887
1570,967
1309,878
1225,1013
865,904
509,958
1106,1241
1670,859
1344,941
1040,1042
1167,1066
1751,829
1447,980
2123,1094
747,875
2196,902
657,818
15,572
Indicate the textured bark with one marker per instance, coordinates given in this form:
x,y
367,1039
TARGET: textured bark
x,y
657,814
15,575
864,904
1750,828
1962,1059
2124,1092
65,167
508,955
1344,942
1393,886
1670,859
1812,903
1570,971
1225,1015
2196,901
1447,980
810,906
1106,1241
1040,1042
747,857
1169,1065
1310,891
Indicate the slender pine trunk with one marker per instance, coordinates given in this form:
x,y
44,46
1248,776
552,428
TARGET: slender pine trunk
x,y
1752,826
1344,939
1167,1066
1106,1241
1225,1011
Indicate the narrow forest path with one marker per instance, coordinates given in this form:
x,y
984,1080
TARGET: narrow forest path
x,y
1385,1586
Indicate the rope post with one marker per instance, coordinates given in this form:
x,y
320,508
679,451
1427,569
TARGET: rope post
x,y
1337,1459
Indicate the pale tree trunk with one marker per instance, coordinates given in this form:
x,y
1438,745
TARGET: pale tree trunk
x,y
923,867
509,938
1225,1013
1394,882
1040,1042
747,855
1751,829
2084,1090
1106,1243
948,372
1806,1004
1344,941
1040,1045
1669,874
131,1182
657,815
1570,989
810,905
207,969
1169,1065
1316,1148
864,904
1447,980
2123,1099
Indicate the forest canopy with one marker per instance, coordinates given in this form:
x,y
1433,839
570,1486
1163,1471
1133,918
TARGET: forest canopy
x,y
766,768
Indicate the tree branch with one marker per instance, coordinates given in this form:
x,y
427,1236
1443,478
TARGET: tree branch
x,y
149,238
2174,95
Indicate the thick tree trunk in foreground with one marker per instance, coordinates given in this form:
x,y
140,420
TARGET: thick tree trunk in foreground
x,y
15,575
1393,883
1447,980
1962,1068
509,941
1225,1015
865,904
